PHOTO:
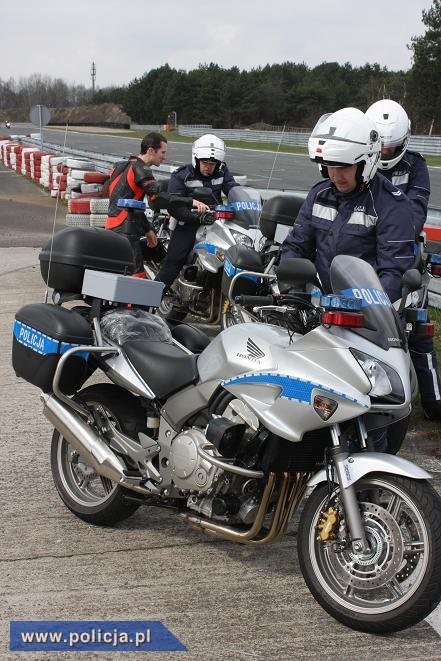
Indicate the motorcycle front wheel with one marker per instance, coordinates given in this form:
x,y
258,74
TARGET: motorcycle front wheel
x,y
397,582
91,497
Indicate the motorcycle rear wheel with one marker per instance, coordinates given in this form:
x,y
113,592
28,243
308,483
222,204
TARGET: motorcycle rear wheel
x,y
89,496
397,583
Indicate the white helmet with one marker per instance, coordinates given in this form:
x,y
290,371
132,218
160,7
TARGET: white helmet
x,y
346,137
393,125
208,147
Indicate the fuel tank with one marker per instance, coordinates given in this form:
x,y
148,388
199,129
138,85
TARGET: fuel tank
x,y
279,377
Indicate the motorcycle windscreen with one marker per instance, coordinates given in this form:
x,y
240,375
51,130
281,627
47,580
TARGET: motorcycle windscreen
x,y
351,276
247,205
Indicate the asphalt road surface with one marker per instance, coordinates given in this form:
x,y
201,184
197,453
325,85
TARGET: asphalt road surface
x,y
222,600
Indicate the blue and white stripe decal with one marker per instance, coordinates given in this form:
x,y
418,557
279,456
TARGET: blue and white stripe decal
x,y
292,388
208,247
41,343
231,271
369,296
246,205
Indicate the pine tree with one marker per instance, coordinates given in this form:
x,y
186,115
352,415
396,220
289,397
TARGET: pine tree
x,y
425,75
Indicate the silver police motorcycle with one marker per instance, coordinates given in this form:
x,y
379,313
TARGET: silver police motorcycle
x,y
234,434
197,289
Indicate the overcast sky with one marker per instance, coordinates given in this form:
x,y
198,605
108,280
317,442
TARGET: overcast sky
x,y
61,39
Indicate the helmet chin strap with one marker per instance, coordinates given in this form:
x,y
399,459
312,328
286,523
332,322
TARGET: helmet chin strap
x,y
359,173
324,171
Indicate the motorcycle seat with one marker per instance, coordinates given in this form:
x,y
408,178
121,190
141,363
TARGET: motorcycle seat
x,y
164,367
191,337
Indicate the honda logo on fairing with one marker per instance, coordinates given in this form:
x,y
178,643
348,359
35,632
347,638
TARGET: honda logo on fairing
x,y
254,352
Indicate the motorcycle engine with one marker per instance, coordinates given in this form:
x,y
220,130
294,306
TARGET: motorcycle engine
x,y
184,292
212,492
193,289
189,470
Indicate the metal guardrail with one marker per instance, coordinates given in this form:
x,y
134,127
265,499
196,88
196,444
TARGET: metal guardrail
x,y
103,162
160,128
247,135
426,144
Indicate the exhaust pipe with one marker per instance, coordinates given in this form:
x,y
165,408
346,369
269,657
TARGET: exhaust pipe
x,y
82,437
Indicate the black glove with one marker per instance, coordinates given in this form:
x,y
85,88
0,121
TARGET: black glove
x,y
206,218
169,201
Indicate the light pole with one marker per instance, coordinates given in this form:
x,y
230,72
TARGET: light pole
x,y
93,75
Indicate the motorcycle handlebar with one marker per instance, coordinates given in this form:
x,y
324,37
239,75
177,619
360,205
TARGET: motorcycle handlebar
x,y
290,300
254,301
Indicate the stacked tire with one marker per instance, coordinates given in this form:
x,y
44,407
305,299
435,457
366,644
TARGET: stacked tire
x,y
26,160
74,179
12,156
37,165
99,209
58,183
78,212
85,212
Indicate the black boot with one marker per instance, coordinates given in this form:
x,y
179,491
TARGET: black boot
x,y
432,409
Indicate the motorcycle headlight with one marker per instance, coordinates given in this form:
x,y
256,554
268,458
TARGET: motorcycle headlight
x,y
386,383
242,239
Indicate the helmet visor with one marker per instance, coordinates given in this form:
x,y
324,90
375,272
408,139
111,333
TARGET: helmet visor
x,y
318,128
388,141
333,164
391,152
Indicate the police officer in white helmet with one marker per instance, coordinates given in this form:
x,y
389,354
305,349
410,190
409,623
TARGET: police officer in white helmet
x,y
407,170
208,170
354,210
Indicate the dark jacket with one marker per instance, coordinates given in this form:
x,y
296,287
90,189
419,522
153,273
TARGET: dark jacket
x,y
374,223
184,181
412,177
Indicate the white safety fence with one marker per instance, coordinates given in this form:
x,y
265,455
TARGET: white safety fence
x,y
426,144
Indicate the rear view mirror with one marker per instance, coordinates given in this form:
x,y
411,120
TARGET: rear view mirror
x,y
296,272
411,280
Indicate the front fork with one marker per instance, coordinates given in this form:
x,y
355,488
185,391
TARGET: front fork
x,y
348,493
